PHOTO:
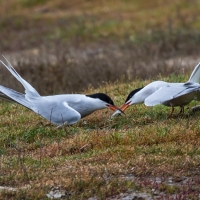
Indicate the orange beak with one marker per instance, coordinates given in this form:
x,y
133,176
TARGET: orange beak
x,y
113,107
124,106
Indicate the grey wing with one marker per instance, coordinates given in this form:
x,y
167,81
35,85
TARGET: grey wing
x,y
195,76
57,113
4,97
14,96
29,90
167,93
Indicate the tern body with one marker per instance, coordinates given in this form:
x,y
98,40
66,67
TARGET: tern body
x,y
175,95
139,95
58,109
168,94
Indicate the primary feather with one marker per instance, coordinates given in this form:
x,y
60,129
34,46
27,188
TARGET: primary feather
x,y
14,96
29,90
173,95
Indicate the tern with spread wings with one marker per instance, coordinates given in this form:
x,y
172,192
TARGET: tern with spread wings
x,y
64,109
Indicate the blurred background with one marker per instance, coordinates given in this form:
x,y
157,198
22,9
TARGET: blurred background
x,y
67,46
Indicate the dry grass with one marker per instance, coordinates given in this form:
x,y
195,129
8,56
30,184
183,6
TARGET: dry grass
x,y
76,45
69,74
72,47
81,20
67,41
95,156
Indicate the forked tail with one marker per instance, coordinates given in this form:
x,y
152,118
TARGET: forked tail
x,y
29,90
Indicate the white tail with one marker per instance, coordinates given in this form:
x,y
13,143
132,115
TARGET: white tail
x,y
29,90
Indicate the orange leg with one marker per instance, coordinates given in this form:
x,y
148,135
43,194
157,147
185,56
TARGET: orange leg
x,y
171,113
181,110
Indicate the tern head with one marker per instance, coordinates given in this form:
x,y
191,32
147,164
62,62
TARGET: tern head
x,y
131,95
131,99
104,101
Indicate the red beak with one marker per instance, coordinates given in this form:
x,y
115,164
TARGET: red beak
x,y
113,107
124,106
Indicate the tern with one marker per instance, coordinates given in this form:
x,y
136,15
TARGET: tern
x,y
63,109
177,95
168,94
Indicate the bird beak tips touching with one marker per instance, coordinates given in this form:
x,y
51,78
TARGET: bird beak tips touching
x,y
124,106
114,108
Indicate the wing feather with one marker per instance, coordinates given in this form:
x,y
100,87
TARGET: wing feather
x,y
57,112
168,93
14,96
29,90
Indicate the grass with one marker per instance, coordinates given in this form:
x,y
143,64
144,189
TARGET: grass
x,y
102,41
88,22
128,41
94,156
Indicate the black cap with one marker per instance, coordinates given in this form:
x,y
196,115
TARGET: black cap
x,y
102,96
132,93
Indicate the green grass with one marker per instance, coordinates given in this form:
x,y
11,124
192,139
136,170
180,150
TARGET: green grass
x,y
88,22
91,157
27,3
99,157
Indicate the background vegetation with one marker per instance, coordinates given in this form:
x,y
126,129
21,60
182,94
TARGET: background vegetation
x,y
72,45
112,47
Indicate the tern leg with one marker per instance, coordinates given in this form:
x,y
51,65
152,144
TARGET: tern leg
x,y
63,125
181,110
171,113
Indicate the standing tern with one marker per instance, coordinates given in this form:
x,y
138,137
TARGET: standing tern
x,y
64,109
172,96
160,92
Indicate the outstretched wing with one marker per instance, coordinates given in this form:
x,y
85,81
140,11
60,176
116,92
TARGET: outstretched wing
x,y
168,93
4,97
11,95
